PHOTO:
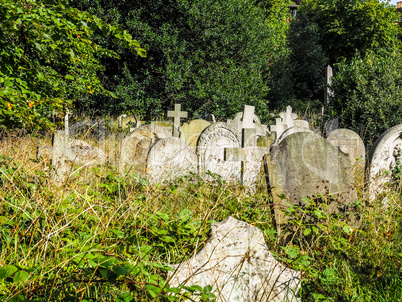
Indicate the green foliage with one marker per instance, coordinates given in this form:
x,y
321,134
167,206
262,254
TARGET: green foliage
x,y
368,93
351,27
48,59
297,78
344,259
210,56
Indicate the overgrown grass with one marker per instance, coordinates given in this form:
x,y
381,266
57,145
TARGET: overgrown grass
x,y
103,237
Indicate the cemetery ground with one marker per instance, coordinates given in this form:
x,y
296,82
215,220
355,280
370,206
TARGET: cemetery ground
x,y
105,237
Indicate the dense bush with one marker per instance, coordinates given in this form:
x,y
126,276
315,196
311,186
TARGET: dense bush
x,y
368,94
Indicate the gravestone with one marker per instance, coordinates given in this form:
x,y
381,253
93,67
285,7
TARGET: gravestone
x,y
170,158
159,131
249,155
383,158
238,265
253,122
67,153
349,142
134,150
292,130
177,114
130,122
287,120
306,164
59,159
211,147
191,131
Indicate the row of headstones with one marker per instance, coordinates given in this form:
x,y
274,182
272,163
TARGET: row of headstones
x,y
298,157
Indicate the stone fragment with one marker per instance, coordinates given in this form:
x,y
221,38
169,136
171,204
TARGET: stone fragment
x,y
384,157
349,142
191,131
306,164
211,147
238,265
170,158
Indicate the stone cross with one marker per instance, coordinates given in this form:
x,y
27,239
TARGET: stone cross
x,y
285,121
177,114
248,154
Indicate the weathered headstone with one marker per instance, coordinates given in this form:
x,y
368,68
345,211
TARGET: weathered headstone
x,y
384,157
287,120
129,121
170,158
249,155
238,264
191,131
67,153
349,142
292,130
211,147
306,164
238,123
134,150
159,131
59,159
177,114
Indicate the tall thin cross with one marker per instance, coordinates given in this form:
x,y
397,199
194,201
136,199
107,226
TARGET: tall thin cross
x,y
177,114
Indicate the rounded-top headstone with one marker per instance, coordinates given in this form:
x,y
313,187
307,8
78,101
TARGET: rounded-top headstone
x,y
161,132
290,131
169,159
349,142
211,151
191,131
383,159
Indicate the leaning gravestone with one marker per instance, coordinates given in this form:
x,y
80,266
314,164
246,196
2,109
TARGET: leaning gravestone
x,y
384,157
238,265
211,147
349,142
134,150
159,131
306,164
191,131
169,159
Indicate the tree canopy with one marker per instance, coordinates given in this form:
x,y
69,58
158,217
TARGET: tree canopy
x,y
49,58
